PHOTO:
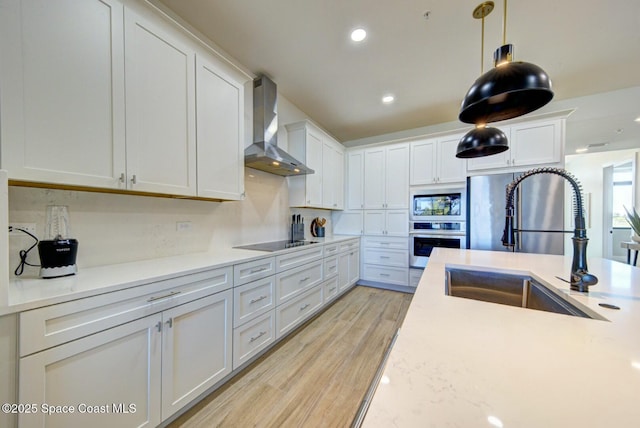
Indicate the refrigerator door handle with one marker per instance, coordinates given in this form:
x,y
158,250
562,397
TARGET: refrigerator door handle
x,y
518,219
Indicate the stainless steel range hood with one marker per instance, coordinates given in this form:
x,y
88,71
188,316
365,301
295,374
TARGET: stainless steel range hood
x,y
264,153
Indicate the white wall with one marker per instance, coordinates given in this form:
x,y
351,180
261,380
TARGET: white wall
x,y
587,168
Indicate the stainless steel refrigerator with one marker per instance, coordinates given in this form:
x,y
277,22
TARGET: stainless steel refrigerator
x,y
539,216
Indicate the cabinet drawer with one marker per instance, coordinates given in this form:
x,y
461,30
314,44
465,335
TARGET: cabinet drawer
x,y
389,275
330,287
295,281
297,258
383,242
349,245
297,310
330,267
52,325
330,249
253,337
253,299
396,258
250,271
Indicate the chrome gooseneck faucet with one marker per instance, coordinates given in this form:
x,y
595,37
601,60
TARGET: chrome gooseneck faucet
x,y
581,279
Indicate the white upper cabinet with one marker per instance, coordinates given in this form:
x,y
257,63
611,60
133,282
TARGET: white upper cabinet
x,y
533,143
62,95
69,119
219,132
386,177
160,100
325,187
434,161
355,180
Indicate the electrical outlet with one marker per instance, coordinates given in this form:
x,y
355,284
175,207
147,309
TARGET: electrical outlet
x,y
29,227
183,226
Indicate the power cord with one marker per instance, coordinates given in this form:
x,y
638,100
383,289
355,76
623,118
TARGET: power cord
x,y
24,253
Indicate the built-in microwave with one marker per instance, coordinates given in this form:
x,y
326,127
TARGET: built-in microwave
x,y
438,204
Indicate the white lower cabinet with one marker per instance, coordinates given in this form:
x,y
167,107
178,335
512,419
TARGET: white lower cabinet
x,y
348,269
196,349
134,374
118,368
295,311
385,260
253,337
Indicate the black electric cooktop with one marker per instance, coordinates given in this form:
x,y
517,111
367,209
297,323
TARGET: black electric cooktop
x,y
276,245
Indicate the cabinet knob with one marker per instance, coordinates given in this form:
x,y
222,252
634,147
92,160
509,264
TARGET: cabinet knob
x,y
159,326
134,179
169,322
121,179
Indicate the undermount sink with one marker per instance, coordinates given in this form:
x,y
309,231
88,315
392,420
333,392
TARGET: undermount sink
x,y
511,289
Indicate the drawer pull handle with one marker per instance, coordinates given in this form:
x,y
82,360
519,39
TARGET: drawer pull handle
x,y
253,339
257,300
262,269
306,278
153,299
385,243
332,288
385,257
385,274
306,305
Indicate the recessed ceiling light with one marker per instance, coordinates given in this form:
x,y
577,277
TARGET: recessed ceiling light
x,y
582,150
358,35
388,99
637,119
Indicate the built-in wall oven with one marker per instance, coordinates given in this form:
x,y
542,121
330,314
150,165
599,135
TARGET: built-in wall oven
x,y
438,219
425,236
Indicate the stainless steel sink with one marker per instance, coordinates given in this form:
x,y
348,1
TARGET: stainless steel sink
x,y
513,290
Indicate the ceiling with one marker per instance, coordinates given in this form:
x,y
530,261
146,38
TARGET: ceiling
x,y
429,64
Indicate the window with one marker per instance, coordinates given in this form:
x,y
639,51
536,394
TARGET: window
x,y
622,195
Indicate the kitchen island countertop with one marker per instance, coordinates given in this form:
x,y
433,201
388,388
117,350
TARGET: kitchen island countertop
x,y
26,293
466,363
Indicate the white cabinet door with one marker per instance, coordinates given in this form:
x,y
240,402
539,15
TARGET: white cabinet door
x,y
220,132
374,222
450,168
397,177
160,105
197,349
333,176
313,160
423,162
62,104
397,223
355,180
536,143
434,161
117,368
354,266
374,178
343,271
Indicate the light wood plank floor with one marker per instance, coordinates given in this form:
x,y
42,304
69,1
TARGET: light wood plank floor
x,y
315,378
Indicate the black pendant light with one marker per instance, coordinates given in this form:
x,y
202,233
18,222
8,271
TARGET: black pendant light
x,y
482,140
509,90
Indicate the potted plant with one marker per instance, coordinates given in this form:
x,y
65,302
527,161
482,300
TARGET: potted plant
x,y
633,219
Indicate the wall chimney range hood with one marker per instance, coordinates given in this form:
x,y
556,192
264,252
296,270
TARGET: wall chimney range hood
x,y
264,153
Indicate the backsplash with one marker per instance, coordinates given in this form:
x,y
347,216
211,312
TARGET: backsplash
x,y
113,228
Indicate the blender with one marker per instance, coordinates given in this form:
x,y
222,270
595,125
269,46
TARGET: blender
x,y
58,251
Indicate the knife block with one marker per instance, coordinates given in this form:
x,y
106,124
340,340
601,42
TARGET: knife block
x,y
297,232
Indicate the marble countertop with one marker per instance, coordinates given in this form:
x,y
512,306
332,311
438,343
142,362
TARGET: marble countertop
x,y
31,292
466,363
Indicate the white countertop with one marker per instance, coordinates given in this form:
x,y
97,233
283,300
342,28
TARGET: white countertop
x,y
466,363
31,292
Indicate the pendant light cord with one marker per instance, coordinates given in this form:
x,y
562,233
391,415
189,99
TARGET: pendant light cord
x,y
504,24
